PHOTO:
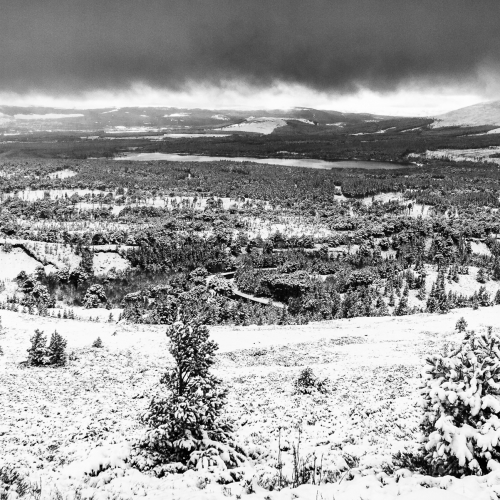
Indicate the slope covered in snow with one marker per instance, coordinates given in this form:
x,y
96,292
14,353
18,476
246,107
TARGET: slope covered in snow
x,y
72,428
485,113
263,125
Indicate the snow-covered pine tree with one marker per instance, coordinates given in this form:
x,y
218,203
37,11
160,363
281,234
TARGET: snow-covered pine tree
x,y
57,350
185,428
482,276
438,299
421,290
403,309
381,307
461,401
98,343
461,325
483,297
37,353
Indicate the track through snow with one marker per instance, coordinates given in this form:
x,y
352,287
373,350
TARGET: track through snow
x,y
63,424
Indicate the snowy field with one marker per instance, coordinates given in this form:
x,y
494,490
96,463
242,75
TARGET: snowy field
x,y
71,428
258,125
105,261
15,261
63,174
476,155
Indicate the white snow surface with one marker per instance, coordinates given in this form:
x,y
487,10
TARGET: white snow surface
x,y
105,261
15,261
485,113
62,174
72,428
475,155
265,125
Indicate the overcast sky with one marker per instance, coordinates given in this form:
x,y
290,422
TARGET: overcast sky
x,y
382,56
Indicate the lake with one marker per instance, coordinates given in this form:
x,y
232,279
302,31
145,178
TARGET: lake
x,y
288,162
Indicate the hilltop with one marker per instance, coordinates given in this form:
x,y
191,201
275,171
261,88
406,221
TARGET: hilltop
x,y
485,113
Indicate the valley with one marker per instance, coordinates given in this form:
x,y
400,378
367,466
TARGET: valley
x,y
329,258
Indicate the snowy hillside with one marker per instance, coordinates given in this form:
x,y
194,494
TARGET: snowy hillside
x,y
486,113
71,428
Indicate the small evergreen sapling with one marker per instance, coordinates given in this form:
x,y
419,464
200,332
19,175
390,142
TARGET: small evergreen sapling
x,y
37,353
185,428
403,309
461,325
482,276
57,350
421,295
307,383
98,343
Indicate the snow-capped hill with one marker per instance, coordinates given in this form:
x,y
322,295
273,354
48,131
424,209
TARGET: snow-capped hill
x,y
261,125
485,113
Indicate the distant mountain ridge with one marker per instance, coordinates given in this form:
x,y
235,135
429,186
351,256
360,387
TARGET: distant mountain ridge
x,y
485,113
25,119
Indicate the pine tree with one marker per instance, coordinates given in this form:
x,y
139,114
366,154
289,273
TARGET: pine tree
x,y
402,309
482,276
184,420
37,353
421,291
381,307
475,302
461,325
462,407
438,299
97,343
483,297
449,277
57,350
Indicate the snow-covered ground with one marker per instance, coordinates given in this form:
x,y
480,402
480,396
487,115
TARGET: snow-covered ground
x,y
15,261
63,174
32,254
63,424
105,261
176,136
476,155
484,113
258,125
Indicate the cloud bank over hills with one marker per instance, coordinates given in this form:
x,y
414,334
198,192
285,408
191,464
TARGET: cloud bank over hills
x,y
70,47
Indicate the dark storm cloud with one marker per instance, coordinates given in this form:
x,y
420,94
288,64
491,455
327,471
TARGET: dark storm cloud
x,y
62,46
